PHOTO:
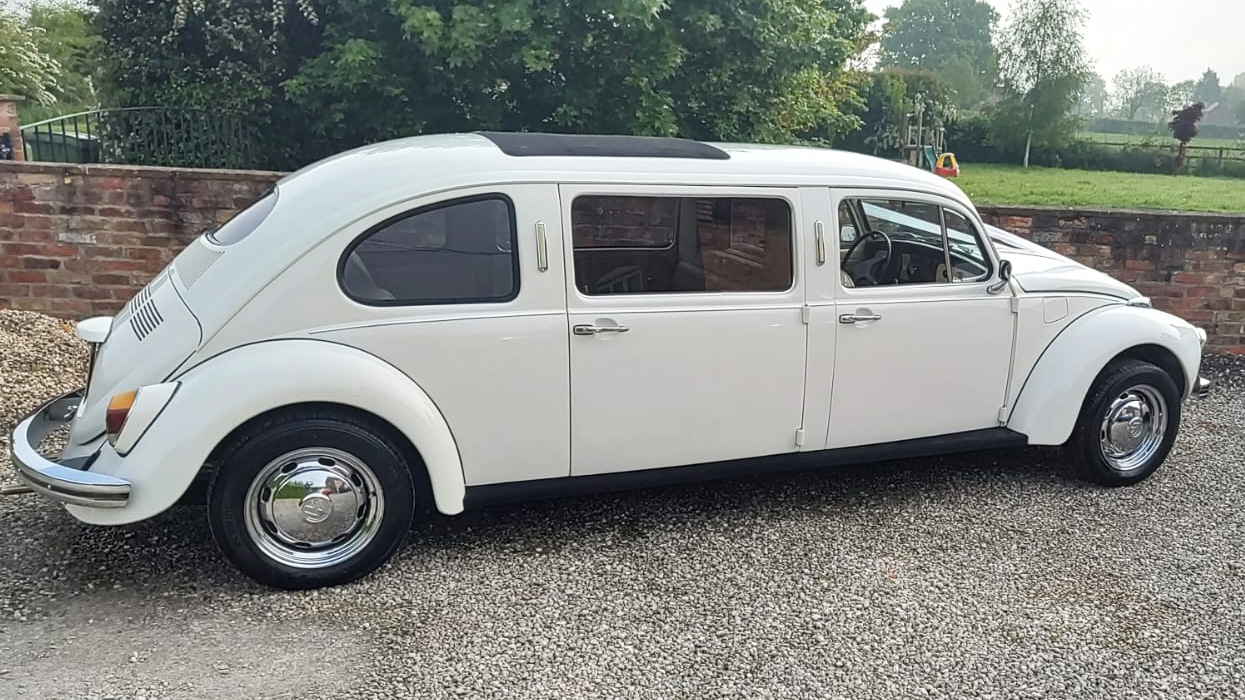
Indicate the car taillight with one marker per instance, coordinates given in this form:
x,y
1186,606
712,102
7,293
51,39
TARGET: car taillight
x,y
118,410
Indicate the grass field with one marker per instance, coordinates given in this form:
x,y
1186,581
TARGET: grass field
x,y
1012,184
1161,140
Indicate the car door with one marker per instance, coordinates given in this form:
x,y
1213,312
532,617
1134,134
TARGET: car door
x,y
687,343
924,340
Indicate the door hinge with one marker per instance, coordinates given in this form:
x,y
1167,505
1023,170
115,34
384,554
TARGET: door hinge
x,y
806,314
1003,415
1015,305
799,437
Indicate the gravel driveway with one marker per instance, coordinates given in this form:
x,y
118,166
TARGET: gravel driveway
x,y
990,575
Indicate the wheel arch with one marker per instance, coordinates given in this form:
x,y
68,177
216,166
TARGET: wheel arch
x,y
1048,403
415,460
221,394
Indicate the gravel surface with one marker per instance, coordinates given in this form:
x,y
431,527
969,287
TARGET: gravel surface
x,y
981,576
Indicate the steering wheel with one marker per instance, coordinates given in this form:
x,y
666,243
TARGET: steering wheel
x,y
876,269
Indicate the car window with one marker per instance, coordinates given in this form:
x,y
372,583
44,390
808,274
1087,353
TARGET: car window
x,y
244,222
904,243
969,262
457,252
661,245
914,254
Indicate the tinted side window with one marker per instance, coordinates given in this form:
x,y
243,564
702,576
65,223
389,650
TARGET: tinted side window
x,y
245,221
655,245
456,252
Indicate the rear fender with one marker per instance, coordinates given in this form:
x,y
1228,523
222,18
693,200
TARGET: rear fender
x,y
1050,400
225,391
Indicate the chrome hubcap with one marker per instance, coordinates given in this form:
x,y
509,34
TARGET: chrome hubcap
x,y
314,507
1133,428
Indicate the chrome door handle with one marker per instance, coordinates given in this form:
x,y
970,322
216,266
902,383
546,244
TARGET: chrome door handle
x,y
585,329
853,318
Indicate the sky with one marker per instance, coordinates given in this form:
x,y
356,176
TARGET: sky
x,y
1123,34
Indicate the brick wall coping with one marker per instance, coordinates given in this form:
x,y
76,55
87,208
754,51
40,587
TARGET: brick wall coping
x,y
267,175
1077,212
110,170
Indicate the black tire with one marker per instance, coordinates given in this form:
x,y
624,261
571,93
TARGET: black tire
x,y
250,456
1121,381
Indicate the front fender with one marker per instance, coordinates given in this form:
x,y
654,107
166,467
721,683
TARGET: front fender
x,y
1050,400
225,391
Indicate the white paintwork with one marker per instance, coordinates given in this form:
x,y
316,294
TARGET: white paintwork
x,y
697,377
148,403
125,362
1037,269
94,329
1048,404
935,363
501,392
218,396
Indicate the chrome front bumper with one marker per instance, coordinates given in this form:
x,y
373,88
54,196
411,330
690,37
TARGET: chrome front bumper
x,y
1201,387
68,481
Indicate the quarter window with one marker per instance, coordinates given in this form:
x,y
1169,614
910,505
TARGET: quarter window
x,y
656,245
456,252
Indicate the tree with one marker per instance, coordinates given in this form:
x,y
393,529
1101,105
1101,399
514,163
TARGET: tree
x,y
1208,90
1093,97
69,38
1184,127
1181,94
890,96
1138,88
321,76
1042,70
952,38
25,69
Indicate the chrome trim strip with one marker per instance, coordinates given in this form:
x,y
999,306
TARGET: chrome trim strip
x,y
57,481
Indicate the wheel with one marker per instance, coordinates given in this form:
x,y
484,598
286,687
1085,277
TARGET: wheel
x,y
1127,424
311,498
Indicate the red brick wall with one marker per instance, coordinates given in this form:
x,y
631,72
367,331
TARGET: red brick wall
x,y
80,240
1190,264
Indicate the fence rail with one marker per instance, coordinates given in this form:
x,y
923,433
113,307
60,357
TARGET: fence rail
x,y
169,136
1221,154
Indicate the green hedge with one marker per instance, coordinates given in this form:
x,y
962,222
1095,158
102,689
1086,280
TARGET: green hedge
x,y
969,138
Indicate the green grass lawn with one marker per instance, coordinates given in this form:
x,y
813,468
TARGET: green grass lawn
x,y
1012,184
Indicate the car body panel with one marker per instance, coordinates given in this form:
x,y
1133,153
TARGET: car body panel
x,y
504,391
162,465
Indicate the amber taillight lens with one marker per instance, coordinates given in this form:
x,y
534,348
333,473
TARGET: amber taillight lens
x,y
118,410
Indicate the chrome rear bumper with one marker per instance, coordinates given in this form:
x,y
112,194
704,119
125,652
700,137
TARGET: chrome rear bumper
x,y
67,482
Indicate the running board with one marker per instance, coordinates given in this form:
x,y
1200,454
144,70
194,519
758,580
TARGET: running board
x,y
538,489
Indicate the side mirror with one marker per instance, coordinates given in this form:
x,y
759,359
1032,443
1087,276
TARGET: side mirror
x,y
1005,274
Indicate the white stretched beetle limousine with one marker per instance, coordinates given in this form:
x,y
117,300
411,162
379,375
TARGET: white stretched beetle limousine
x,y
463,319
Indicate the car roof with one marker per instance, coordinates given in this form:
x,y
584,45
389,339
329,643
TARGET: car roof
x,y
437,162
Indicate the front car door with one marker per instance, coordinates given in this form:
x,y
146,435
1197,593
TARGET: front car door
x,y
687,343
924,342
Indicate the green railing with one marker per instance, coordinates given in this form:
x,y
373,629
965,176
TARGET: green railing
x,y
170,136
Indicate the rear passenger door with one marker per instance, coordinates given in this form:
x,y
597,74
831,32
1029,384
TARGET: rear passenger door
x,y
687,343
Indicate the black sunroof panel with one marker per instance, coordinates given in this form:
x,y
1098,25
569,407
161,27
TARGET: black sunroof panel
x,y
537,144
